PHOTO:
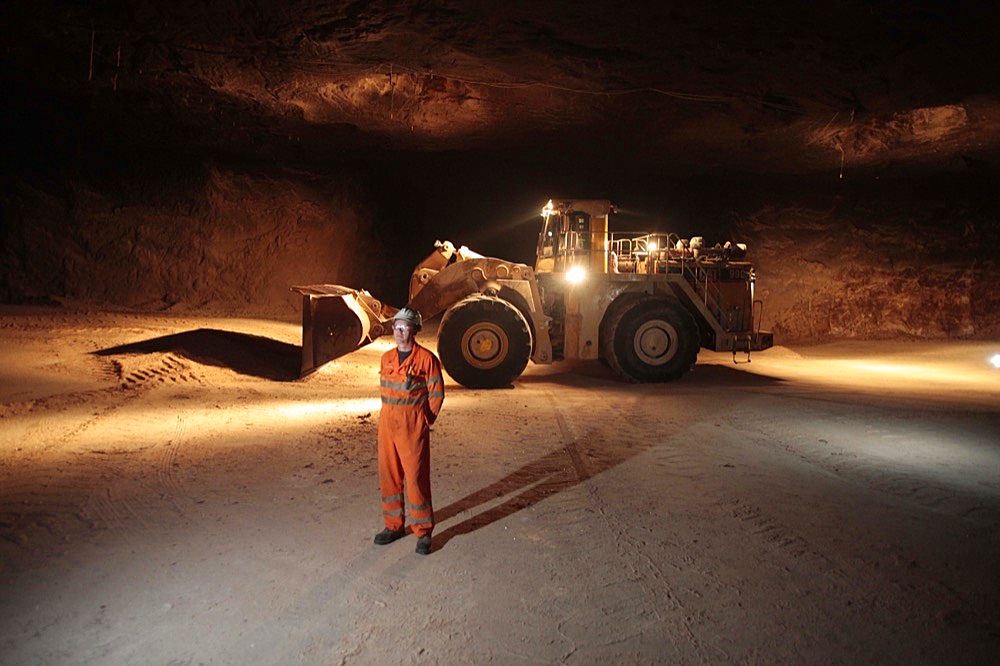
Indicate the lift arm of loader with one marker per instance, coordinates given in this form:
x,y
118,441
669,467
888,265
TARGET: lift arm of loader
x,y
449,275
336,320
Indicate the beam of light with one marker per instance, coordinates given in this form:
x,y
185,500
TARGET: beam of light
x,y
943,373
910,372
928,454
300,410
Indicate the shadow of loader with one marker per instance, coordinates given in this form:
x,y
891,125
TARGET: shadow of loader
x,y
245,354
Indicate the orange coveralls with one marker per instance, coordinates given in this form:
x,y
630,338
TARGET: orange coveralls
x,y
412,395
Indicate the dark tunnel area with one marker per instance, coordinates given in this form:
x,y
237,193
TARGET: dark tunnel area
x,y
176,158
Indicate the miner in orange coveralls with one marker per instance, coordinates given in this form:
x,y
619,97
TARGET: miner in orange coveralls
x,y
412,395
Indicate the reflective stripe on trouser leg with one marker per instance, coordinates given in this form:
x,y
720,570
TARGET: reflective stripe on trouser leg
x,y
390,477
392,511
417,468
421,517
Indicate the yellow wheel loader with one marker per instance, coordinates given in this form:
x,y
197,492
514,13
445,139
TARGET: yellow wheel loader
x,y
643,303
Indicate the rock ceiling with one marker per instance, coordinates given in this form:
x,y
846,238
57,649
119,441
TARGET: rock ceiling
x,y
780,86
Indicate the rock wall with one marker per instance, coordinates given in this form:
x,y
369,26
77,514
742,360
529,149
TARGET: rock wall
x,y
876,274
910,259
222,241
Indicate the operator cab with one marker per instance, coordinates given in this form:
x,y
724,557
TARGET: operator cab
x,y
574,236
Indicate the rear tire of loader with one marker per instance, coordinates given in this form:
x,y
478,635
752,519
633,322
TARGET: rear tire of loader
x,y
652,340
484,342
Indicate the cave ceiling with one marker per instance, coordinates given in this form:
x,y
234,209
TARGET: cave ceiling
x,y
765,87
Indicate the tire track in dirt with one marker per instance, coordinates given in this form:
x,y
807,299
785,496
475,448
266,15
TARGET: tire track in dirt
x,y
915,585
569,443
775,537
133,380
161,368
83,486
898,475
598,428
166,459
361,584
771,541
105,510
126,496
110,506
775,543
42,494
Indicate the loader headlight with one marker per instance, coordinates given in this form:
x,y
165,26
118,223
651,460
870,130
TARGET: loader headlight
x,y
995,361
575,275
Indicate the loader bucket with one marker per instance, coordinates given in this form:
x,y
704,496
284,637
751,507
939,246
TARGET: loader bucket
x,y
337,320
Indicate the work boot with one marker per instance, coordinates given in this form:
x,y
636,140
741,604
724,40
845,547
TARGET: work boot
x,y
387,536
424,545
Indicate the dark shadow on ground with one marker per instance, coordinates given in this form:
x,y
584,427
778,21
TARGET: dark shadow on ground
x,y
592,373
251,355
552,473
731,376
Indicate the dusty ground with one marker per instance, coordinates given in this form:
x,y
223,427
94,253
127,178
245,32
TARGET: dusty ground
x,y
170,494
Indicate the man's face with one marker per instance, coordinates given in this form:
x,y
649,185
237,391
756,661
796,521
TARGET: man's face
x,y
403,333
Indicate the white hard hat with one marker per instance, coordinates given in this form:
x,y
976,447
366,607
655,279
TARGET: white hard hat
x,y
409,315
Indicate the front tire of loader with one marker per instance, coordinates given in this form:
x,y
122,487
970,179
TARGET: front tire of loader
x,y
484,342
652,340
